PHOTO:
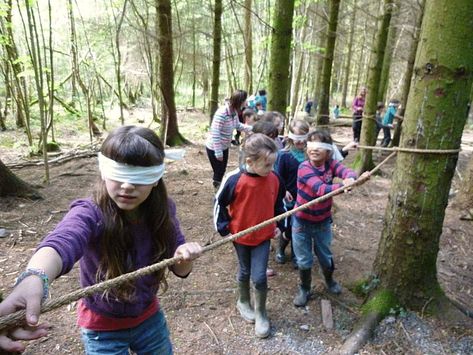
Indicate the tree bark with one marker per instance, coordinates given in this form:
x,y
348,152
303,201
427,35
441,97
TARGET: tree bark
x,y
248,48
169,130
323,111
217,46
364,160
278,81
435,117
350,54
406,85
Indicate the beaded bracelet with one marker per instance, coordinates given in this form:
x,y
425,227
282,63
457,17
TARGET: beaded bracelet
x,y
37,272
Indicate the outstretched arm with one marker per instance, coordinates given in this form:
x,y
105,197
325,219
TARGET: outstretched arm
x,y
29,294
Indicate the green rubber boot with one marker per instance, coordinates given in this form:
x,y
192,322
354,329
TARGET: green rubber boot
x,y
262,329
244,302
304,288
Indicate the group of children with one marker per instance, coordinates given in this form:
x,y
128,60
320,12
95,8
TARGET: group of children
x,y
129,222
275,176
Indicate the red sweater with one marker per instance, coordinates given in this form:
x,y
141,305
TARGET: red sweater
x,y
245,200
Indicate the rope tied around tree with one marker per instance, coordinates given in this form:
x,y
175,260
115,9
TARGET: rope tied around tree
x,y
18,317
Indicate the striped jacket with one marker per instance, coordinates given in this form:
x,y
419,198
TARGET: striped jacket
x,y
221,130
314,182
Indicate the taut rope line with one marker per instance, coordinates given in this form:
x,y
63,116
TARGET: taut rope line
x,y
19,316
411,150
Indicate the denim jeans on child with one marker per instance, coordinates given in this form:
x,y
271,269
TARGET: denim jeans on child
x,y
307,236
150,337
253,261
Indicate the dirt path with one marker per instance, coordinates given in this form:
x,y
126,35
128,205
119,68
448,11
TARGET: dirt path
x,y
201,309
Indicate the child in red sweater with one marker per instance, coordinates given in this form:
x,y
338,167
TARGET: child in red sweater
x,y
248,196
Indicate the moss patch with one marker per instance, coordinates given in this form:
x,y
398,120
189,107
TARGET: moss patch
x,y
383,301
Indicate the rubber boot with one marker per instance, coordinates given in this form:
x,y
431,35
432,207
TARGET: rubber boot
x,y
332,285
244,302
281,250
304,288
261,318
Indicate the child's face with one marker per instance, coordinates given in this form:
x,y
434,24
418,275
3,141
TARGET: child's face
x,y
318,156
127,196
250,120
263,165
299,144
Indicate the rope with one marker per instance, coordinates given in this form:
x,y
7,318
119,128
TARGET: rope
x,y
19,316
412,150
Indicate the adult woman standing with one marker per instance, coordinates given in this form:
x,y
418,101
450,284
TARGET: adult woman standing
x,y
224,122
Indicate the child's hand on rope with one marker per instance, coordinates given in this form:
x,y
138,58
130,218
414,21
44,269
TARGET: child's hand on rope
x,y
26,295
288,197
346,182
189,251
366,175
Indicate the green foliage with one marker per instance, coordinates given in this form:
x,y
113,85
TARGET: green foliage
x,y
364,287
398,311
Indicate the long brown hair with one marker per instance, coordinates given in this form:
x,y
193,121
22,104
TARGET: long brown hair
x,y
141,147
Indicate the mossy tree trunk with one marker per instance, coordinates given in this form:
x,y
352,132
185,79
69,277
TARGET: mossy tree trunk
x,y
169,130
11,185
278,81
323,111
217,46
364,160
435,117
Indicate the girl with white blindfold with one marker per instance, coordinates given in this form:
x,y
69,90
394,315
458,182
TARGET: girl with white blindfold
x,y
312,227
127,224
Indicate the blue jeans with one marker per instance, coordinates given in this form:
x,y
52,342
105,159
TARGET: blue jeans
x,y
307,236
253,261
150,337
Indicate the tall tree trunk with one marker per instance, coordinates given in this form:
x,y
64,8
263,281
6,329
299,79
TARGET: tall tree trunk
x,y
281,37
36,62
72,28
435,117
368,130
217,46
118,61
11,185
323,112
388,56
406,85
169,130
20,88
248,48
349,55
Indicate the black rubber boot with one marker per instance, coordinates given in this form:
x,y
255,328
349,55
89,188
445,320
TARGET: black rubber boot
x,y
281,250
262,328
332,285
244,302
304,288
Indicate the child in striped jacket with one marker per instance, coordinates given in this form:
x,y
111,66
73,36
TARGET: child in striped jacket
x,y
312,227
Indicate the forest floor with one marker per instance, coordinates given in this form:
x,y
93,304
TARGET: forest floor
x,y
201,310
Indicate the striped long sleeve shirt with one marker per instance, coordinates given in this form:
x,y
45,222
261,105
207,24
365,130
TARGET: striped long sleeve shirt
x,y
314,182
220,135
